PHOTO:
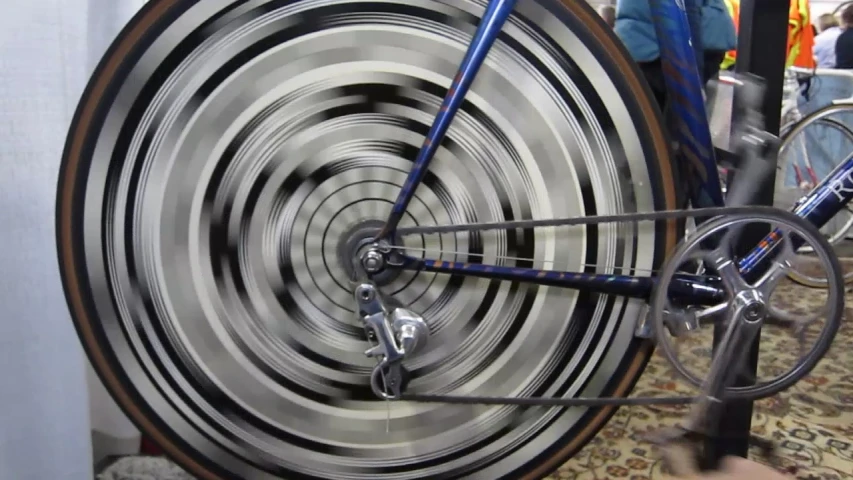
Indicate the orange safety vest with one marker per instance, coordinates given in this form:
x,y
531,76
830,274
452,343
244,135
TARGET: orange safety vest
x,y
800,35
734,11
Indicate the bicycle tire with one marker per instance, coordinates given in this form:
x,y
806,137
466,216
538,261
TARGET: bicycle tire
x,y
787,135
840,8
106,327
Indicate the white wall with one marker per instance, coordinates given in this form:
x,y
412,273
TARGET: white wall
x,y
44,422
819,7
47,51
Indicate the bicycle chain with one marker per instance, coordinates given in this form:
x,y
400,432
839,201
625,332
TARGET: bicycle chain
x,y
515,224
589,220
547,401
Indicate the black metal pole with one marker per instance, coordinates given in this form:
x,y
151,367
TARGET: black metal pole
x,y
761,51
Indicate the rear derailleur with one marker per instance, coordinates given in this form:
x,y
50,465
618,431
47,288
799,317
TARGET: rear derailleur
x,y
394,333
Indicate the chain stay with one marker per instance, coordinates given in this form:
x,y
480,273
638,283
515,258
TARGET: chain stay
x,y
589,220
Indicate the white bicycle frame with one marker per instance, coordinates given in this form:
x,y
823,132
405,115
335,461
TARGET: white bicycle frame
x,y
790,107
785,195
792,88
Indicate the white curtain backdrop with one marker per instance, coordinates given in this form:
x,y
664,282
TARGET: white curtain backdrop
x,y
49,403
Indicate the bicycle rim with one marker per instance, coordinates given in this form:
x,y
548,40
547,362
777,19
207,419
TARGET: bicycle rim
x,y
202,275
793,152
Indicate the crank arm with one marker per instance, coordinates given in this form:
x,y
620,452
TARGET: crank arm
x,y
743,324
740,332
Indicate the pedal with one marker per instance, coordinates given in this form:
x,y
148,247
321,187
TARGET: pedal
x,y
756,151
678,322
681,321
680,450
726,159
683,449
643,329
736,115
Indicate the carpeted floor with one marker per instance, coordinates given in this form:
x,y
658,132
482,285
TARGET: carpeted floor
x,y
812,422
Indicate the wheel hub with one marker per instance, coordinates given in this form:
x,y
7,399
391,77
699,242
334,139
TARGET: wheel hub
x,y
357,248
751,305
754,312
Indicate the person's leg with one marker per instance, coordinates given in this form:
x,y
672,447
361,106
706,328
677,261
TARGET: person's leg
x,y
653,71
654,77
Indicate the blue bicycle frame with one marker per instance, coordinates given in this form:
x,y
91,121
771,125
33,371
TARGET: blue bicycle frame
x,y
681,61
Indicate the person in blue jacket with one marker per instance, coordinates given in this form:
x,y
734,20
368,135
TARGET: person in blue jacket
x,y
635,28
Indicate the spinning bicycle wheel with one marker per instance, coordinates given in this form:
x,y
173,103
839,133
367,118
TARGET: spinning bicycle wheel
x,y
810,149
225,151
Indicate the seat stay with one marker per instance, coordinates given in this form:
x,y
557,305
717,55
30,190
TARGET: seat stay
x,y
496,14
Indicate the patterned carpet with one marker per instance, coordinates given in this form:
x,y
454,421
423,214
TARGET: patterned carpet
x,y
812,422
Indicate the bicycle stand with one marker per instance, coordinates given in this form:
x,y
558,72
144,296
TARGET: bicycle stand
x,y
761,51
